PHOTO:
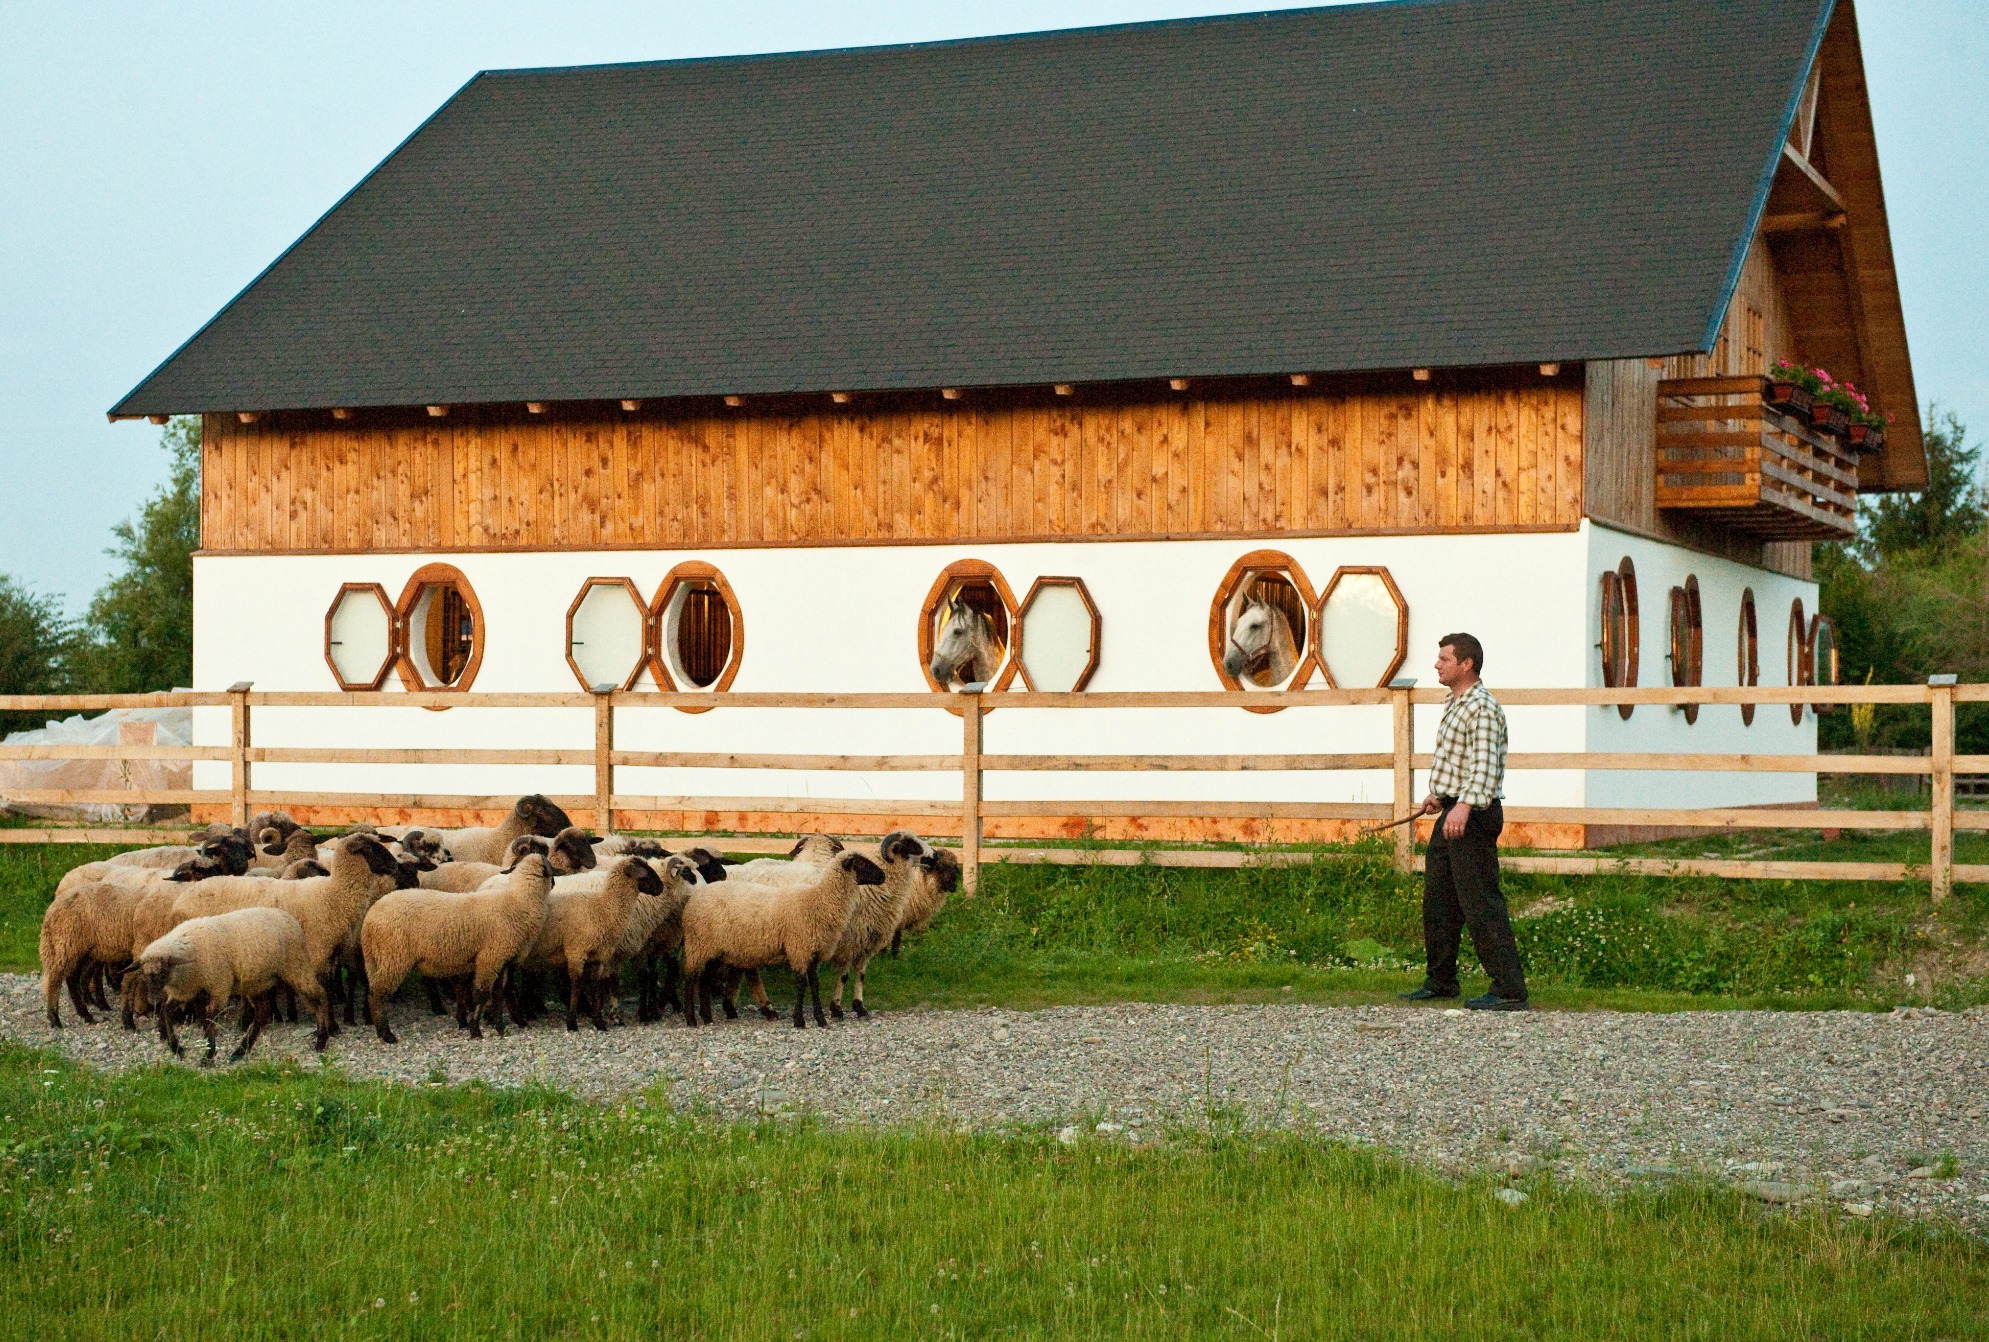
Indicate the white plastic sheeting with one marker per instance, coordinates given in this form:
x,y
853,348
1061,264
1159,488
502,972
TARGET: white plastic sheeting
x,y
122,726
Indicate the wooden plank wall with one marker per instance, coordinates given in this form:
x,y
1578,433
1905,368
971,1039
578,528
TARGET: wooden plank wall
x,y
1620,418
1473,452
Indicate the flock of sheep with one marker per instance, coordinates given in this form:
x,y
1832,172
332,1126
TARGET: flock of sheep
x,y
275,916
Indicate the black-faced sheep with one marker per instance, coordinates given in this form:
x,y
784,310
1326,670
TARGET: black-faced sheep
x,y
912,868
249,953
444,935
534,814
746,925
587,918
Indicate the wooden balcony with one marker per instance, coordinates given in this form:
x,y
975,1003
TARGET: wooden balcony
x,y
1723,453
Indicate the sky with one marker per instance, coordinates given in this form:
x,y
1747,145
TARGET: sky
x,y
155,158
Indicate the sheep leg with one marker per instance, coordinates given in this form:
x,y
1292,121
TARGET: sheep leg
x,y
52,977
207,1028
728,996
459,988
856,996
290,1004
575,984
320,1008
815,991
129,988
93,984
801,995
326,986
435,1007
600,985
380,990
265,1008
79,991
167,1034
836,1002
760,998
671,976
645,989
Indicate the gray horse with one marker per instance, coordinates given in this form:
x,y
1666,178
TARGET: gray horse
x,y
967,652
1262,649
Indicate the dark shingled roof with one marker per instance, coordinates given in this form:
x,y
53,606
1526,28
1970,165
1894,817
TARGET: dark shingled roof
x,y
1444,182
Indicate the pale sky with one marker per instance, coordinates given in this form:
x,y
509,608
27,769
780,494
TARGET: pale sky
x,y
155,157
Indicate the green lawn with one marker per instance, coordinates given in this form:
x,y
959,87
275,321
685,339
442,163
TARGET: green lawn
x,y
261,1203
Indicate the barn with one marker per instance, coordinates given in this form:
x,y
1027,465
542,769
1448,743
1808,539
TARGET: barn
x,y
773,373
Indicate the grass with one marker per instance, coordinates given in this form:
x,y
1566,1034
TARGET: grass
x,y
1347,928
267,1203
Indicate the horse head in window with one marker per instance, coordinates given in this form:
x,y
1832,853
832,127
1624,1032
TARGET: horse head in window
x,y
967,652
1262,648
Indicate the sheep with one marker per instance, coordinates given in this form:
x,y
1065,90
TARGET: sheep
x,y
587,919
811,852
250,952
326,906
348,965
229,847
279,821
530,815
928,898
568,851
910,866
750,925
425,845
626,845
444,935
276,850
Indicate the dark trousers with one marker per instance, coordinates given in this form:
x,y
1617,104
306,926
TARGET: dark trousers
x,y
1460,890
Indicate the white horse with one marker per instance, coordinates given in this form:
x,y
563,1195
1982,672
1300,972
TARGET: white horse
x,y
1262,648
967,652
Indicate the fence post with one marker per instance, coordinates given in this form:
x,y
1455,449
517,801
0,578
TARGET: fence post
x,y
238,808
970,793
604,761
1405,776
1940,690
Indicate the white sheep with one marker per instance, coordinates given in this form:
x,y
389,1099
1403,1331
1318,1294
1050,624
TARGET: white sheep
x,y
928,898
745,925
811,852
444,935
247,953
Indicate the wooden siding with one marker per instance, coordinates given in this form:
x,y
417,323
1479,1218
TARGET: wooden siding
x,y
1621,470
1471,452
1620,423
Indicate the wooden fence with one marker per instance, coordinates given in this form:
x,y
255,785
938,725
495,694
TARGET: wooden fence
x,y
973,764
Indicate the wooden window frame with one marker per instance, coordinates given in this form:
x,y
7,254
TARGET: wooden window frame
x,y
1308,602
683,575
1817,622
1317,649
1800,670
379,594
437,575
1688,641
1747,671
962,571
1021,617
1620,664
642,610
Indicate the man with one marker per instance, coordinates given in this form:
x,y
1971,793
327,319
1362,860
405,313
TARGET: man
x,y
1461,878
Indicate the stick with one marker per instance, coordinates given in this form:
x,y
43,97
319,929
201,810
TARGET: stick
x,y
1392,824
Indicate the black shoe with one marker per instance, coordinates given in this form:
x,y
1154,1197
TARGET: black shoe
x,y
1494,1002
1428,994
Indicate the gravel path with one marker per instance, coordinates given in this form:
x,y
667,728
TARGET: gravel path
x,y
1868,1111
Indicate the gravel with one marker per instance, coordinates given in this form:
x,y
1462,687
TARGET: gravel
x,y
1859,1110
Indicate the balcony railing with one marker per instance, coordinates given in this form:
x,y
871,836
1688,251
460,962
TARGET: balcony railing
x,y
1725,454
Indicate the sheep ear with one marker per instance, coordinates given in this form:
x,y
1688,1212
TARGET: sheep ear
x,y
865,871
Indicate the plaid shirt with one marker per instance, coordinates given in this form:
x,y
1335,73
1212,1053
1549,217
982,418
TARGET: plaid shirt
x,y
1470,759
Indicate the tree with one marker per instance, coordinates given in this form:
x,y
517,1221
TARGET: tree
x,y
1909,596
38,645
141,622
1948,510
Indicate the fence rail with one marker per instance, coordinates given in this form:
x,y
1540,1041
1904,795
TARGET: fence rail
x,y
1940,765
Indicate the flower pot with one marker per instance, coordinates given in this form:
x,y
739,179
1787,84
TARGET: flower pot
x,y
1789,396
1829,419
1874,438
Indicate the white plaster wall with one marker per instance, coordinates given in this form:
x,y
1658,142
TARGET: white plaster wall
x,y
845,618
1660,567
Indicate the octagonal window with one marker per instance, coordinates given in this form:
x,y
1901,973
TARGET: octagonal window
x,y
359,636
1258,624
607,634
1059,627
966,629
1802,671
700,633
1363,628
441,630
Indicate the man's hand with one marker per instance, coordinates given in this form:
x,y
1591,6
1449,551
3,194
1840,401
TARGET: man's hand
x,y
1430,805
1453,824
